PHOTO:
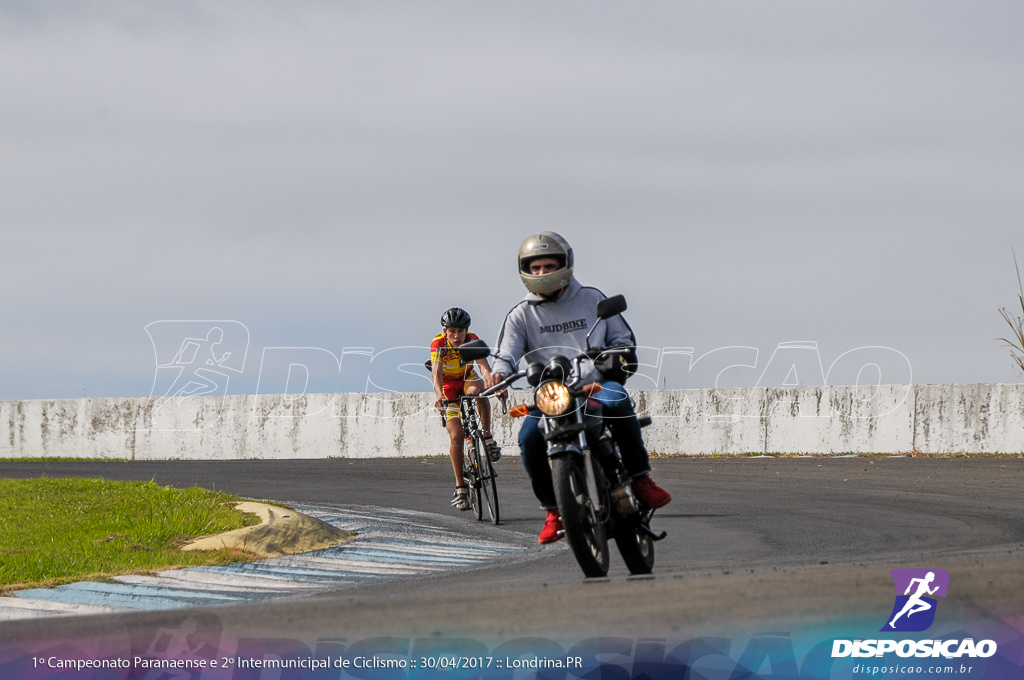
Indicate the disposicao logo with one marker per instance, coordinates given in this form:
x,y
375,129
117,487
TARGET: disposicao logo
x,y
914,611
915,606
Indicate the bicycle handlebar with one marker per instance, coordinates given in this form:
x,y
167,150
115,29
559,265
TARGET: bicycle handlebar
x,y
489,392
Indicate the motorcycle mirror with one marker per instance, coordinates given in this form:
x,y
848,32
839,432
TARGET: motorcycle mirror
x,y
609,307
474,350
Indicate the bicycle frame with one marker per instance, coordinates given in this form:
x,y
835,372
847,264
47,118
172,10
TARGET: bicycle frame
x,y
478,470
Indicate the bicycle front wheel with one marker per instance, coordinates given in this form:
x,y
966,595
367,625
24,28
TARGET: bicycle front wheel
x,y
488,482
472,472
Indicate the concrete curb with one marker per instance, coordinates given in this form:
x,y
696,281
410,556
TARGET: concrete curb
x,y
280,532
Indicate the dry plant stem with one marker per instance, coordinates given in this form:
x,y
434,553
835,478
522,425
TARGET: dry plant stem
x,y
1016,324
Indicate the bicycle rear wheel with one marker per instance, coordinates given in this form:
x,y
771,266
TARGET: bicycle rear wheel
x,y
471,473
488,482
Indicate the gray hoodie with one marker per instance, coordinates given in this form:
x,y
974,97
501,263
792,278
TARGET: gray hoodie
x,y
538,329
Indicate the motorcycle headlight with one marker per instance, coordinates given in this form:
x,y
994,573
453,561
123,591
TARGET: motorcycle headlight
x,y
552,398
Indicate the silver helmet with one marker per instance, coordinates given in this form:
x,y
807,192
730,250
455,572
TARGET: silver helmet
x,y
546,244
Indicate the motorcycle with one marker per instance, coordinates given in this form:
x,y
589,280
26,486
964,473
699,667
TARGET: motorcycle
x,y
592,487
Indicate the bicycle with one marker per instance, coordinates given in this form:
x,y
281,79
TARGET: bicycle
x,y
477,468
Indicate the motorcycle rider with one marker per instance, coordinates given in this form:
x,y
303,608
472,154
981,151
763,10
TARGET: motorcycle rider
x,y
554,318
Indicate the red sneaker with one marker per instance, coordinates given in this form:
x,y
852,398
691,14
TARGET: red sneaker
x,y
553,529
649,493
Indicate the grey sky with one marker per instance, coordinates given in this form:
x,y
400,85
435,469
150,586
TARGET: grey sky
x,y
335,175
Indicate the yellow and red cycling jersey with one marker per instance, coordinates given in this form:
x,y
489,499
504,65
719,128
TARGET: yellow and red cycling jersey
x,y
452,368
454,373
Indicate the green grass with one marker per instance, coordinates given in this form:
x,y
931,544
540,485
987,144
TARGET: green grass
x,y
55,531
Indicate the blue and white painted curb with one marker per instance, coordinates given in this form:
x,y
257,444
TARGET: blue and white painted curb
x,y
390,544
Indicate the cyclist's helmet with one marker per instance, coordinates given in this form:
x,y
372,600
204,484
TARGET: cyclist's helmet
x,y
546,244
455,318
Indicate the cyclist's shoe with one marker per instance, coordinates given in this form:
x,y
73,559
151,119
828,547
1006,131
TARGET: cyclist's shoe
x,y
493,450
553,529
649,493
460,499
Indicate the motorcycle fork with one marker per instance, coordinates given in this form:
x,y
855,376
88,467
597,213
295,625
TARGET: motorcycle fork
x,y
596,507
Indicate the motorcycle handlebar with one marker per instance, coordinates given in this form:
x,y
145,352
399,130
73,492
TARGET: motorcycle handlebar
x,y
594,352
505,382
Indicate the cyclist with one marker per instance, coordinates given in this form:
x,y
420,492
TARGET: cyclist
x,y
556,314
451,379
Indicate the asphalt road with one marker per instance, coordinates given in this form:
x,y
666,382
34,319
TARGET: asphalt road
x,y
760,542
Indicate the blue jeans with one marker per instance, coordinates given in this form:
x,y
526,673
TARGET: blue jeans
x,y
621,416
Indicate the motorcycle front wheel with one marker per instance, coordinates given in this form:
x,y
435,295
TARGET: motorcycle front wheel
x,y
587,537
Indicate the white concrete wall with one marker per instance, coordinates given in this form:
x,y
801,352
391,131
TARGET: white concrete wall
x,y
887,419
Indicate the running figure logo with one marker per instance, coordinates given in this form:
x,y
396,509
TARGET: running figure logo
x,y
193,359
914,610
196,358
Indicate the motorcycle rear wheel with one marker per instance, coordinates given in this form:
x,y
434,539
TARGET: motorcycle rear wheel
x,y
587,538
637,549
